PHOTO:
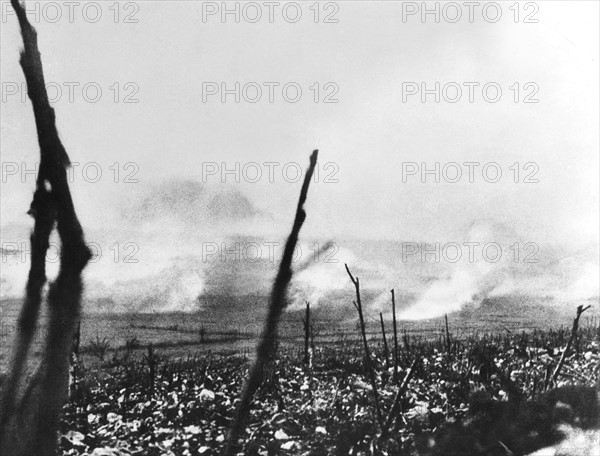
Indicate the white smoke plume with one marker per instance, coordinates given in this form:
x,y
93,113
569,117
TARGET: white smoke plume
x,y
474,276
316,280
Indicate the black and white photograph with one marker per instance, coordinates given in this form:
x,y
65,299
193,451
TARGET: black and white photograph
x,y
307,228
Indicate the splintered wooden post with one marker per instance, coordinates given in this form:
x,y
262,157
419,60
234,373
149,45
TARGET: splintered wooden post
x,y
385,344
306,334
447,334
151,368
395,335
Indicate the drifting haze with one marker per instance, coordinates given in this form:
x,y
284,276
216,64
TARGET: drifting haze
x,y
172,218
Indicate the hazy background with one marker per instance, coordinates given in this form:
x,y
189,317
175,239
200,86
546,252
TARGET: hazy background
x,y
170,216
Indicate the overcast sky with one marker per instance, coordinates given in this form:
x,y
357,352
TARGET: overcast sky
x,y
170,134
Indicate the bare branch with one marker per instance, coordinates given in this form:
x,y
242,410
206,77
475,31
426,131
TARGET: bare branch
x,y
354,281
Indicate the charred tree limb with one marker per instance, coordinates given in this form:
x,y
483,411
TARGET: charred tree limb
x,y
29,423
369,363
278,303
